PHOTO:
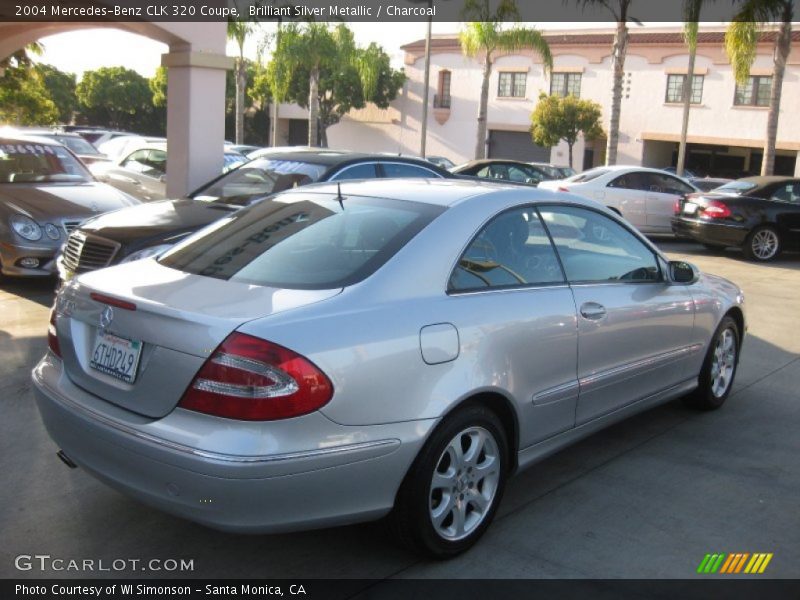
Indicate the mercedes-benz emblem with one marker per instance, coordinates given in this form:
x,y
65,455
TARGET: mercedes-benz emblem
x,y
106,317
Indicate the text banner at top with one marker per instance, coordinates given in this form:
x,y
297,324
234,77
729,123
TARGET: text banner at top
x,y
376,11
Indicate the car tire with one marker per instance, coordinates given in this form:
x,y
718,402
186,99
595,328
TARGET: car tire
x,y
444,518
763,244
719,368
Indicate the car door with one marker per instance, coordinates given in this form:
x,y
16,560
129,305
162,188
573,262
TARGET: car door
x,y
626,194
787,212
153,175
634,327
663,191
509,300
125,174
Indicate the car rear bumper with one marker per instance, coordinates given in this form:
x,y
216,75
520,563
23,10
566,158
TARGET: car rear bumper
x,y
342,474
721,234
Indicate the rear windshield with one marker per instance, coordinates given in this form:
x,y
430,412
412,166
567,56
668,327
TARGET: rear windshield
x,y
588,175
304,241
258,178
736,187
24,162
77,144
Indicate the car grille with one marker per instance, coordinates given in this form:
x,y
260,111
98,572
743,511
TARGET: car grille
x,y
87,252
70,226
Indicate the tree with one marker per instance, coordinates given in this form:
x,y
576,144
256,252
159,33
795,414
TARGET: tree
x,y
324,70
484,35
158,87
741,41
691,16
115,97
556,118
238,31
24,99
61,89
619,9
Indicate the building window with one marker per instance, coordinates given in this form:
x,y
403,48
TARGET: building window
x,y
511,85
442,97
675,88
755,92
565,84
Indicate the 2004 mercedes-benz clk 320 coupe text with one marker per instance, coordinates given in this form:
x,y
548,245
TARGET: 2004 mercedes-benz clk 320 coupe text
x,y
399,347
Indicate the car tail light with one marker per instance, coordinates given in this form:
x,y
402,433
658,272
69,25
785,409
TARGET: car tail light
x,y
52,334
252,379
676,208
716,210
561,188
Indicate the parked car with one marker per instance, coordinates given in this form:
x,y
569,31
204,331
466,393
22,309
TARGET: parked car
x,y
760,215
45,192
706,184
87,153
143,171
506,170
123,143
441,161
262,152
646,197
556,171
243,149
324,358
153,227
97,135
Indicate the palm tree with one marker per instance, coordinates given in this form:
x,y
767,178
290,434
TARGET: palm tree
x,y
691,17
619,9
741,41
238,32
484,35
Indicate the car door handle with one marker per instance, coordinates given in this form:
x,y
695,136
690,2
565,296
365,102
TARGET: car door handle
x,y
593,311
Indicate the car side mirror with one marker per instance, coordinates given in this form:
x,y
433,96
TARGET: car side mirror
x,y
683,272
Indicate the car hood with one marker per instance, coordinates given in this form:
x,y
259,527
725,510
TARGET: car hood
x,y
154,219
45,201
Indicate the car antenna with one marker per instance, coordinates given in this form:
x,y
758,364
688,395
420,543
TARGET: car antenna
x,y
339,196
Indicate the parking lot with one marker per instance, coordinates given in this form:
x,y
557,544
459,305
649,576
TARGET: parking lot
x,y
647,498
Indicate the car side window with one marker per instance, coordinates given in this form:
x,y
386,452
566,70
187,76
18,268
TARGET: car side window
x,y
360,171
673,185
393,169
512,250
523,175
786,193
156,163
596,249
137,161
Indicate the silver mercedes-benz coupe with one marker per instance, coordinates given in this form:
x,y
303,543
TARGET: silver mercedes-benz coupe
x,y
389,347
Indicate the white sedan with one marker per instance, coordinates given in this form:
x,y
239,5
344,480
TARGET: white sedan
x,y
645,197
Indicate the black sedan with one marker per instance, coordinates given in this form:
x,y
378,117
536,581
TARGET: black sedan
x,y
759,214
512,171
149,229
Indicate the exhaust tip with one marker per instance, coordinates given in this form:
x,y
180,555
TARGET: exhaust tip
x,y
66,459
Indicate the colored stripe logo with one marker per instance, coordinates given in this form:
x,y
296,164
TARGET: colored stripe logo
x,y
737,562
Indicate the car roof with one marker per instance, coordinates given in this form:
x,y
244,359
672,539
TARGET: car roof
x,y
489,161
28,139
439,192
760,180
333,158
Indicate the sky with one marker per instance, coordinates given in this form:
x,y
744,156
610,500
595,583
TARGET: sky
x,y
84,50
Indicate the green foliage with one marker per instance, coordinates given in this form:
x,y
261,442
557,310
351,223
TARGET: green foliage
x,y
24,99
114,96
479,38
348,76
556,118
158,87
61,89
741,37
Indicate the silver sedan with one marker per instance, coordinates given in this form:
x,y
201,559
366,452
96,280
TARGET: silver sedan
x,y
396,347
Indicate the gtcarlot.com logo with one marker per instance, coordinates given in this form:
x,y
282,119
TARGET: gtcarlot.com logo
x,y
46,562
735,563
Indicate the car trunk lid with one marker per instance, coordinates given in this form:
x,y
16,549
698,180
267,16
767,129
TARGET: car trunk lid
x,y
167,320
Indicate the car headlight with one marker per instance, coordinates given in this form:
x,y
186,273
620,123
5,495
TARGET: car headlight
x,y
52,231
26,227
146,253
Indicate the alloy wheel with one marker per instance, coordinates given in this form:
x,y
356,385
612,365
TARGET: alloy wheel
x,y
723,363
764,244
464,484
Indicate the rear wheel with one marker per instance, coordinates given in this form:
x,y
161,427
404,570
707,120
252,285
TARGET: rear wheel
x,y
719,368
453,489
763,244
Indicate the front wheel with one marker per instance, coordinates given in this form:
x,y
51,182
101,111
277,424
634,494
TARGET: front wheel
x,y
763,244
719,368
453,489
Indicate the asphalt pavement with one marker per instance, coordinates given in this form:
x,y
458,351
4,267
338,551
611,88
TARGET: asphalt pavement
x,y
646,498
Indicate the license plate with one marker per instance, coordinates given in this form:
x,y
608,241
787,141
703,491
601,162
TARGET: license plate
x,y
689,208
116,356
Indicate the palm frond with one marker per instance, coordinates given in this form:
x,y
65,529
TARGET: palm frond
x,y
524,37
741,41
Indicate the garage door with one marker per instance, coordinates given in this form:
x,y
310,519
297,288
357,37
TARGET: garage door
x,y
516,145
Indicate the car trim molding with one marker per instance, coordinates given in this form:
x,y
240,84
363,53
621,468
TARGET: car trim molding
x,y
230,458
601,379
564,391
